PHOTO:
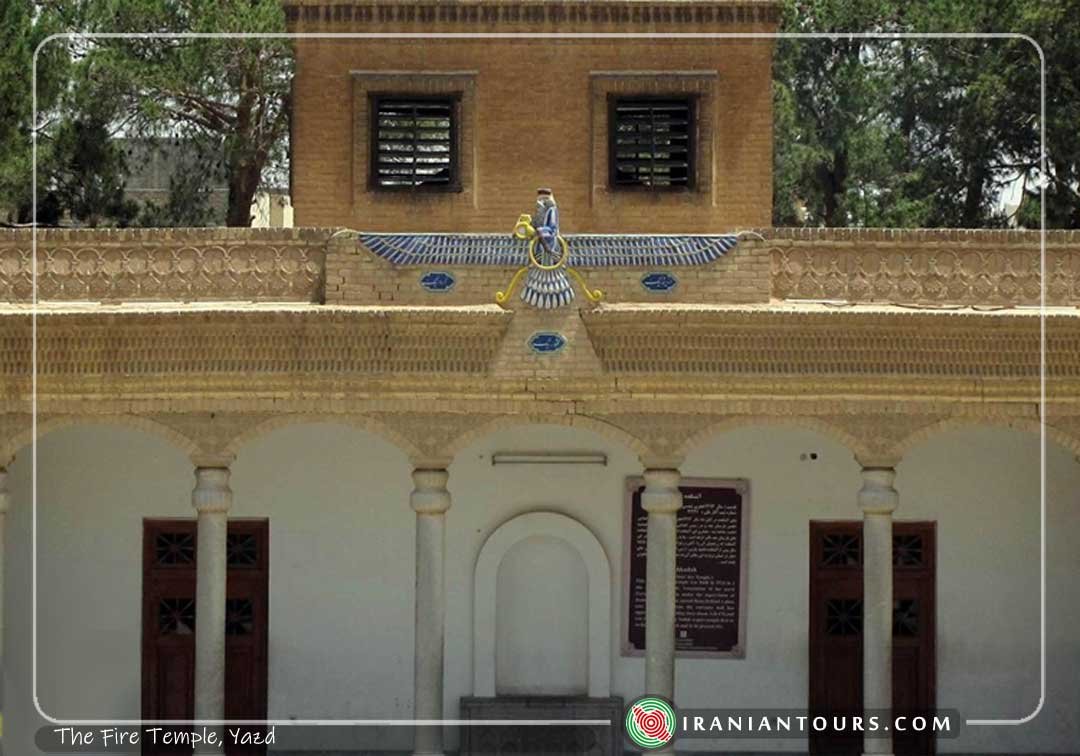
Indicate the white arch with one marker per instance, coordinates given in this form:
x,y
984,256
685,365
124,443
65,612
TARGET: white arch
x,y
601,427
25,437
497,545
363,422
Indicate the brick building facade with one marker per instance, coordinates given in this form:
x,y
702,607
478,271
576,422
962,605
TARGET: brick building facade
x,y
535,111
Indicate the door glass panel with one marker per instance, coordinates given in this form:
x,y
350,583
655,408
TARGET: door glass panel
x,y
176,616
172,548
843,617
242,550
905,621
908,550
239,616
841,550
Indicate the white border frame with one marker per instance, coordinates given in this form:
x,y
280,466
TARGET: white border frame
x,y
535,35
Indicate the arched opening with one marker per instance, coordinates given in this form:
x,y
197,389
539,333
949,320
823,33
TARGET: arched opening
x,y
96,481
547,552
541,620
342,556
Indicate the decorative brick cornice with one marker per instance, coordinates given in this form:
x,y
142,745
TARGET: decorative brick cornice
x,y
924,266
685,15
182,265
203,349
821,343
936,267
916,236
268,354
434,371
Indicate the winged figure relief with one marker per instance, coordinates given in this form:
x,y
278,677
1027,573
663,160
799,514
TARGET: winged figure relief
x,y
548,262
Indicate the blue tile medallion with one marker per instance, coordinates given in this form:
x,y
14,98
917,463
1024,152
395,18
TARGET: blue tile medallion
x,y
438,281
547,342
658,283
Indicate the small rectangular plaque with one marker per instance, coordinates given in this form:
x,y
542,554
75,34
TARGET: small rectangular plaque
x,y
711,569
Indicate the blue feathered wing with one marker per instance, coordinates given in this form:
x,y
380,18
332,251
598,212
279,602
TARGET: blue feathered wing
x,y
586,250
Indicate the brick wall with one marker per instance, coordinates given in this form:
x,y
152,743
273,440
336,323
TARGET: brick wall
x,y
741,276
535,120
164,264
906,266
924,266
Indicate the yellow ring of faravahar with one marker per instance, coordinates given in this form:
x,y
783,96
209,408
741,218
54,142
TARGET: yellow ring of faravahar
x,y
555,266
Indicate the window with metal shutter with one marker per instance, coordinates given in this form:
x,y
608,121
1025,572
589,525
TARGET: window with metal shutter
x,y
651,142
414,143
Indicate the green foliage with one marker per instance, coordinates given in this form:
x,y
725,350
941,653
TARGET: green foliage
x,y
230,92
87,174
234,92
1056,27
924,132
919,132
189,201
25,27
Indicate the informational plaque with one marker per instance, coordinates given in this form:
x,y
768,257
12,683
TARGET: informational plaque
x,y
710,568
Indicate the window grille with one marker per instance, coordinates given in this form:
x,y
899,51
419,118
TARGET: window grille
x,y
414,143
651,143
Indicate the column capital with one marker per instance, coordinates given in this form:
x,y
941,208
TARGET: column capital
x,y
661,494
212,459
877,495
429,494
212,493
5,494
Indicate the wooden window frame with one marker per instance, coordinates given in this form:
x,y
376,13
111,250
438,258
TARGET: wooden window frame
x,y
704,86
692,103
369,203
453,99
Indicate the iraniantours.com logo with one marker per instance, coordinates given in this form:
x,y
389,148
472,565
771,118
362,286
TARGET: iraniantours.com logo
x,y
650,722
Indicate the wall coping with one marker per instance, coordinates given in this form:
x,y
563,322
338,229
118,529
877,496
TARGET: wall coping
x,y
166,235
322,233
908,235
887,266
690,14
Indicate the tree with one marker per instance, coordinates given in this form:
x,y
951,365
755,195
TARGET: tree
x,y
86,175
925,132
25,26
189,201
830,95
1056,27
231,91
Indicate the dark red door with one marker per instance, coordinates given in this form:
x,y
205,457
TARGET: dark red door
x,y
168,638
836,640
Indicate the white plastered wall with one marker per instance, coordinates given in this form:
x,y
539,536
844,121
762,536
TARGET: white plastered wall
x,y
342,567
95,485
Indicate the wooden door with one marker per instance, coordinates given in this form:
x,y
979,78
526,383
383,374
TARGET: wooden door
x,y
168,637
836,639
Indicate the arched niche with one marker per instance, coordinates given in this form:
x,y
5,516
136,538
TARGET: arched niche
x,y
540,529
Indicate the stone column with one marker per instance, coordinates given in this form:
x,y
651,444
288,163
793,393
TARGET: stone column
x,y
429,500
211,498
662,499
877,499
